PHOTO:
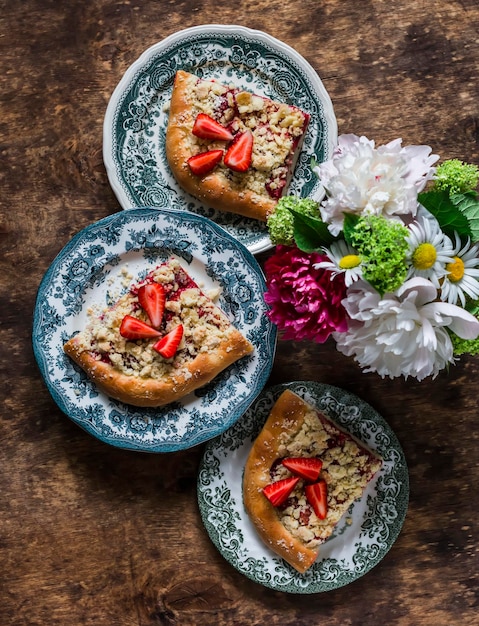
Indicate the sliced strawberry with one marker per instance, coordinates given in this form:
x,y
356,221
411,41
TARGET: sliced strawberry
x,y
238,155
202,163
278,492
317,496
307,468
206,127
168,345
152,299
133,328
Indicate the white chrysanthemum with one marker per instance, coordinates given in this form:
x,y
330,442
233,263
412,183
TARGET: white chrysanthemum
x,y
362,179
343,259
403,334
462,274
430,250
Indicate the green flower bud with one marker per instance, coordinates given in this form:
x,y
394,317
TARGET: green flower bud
x,y
454,176
281,222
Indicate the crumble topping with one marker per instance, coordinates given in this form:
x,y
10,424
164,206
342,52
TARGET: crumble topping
x,y
347,468
277,130
205,327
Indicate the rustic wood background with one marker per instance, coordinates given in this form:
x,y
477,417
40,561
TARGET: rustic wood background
x,y
90,534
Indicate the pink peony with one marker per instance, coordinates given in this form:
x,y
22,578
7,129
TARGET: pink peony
x,y
305,303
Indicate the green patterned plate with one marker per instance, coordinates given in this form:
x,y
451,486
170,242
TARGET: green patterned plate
x,y
136,118
95,268
358,544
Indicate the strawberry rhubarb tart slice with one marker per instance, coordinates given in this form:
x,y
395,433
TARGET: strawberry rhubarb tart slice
x,y
301,476
161,340
233,150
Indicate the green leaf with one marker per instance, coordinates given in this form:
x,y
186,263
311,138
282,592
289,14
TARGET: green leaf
x,y
350,222
472,306
451,219
310,233
468,204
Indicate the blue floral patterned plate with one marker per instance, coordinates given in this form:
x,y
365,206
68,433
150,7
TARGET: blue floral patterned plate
x,y
95,268
137,116
362,537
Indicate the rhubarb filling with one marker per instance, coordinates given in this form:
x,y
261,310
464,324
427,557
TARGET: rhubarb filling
x,y
205,327
347,468
277,129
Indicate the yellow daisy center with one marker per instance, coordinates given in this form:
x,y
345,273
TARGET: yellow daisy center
x,y
424,256
349,261
455,269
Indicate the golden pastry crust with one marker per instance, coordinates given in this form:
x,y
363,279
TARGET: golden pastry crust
x,y
294,428
274,152
132,372
146,392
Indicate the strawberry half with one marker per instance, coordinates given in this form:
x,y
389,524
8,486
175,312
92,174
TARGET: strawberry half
x,y
202,163
168,345
238,155
278,492
307,468
133,328
206,127
152,299
317,496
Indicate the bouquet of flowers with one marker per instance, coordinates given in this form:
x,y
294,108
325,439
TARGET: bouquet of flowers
x,y
386,264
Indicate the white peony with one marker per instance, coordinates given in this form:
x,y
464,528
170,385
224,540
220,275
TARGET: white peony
x,y
405,333
362,179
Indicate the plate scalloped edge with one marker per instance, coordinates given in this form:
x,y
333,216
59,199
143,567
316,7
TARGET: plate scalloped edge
x,y
377,517
82,271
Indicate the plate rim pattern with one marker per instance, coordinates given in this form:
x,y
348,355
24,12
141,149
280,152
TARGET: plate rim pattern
x,y
246,230
226,521
53,308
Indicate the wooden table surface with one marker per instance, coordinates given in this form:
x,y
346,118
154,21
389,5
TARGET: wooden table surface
x,y
91,534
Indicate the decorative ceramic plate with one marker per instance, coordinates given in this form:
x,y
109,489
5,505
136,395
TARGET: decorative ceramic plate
x,y
136,118
360,540
95,268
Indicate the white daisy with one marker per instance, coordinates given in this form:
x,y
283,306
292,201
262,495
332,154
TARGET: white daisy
x,y
461,274
342,260
430,250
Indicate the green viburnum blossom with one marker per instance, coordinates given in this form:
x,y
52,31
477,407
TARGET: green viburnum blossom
x,y
382,246
467,346
464,346
454,176
281,222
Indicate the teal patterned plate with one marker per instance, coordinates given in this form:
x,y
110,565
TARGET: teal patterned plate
x,y
360,540
95,268
136,118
